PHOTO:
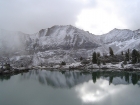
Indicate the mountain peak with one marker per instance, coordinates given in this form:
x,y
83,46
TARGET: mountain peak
x,y
66,41
116,29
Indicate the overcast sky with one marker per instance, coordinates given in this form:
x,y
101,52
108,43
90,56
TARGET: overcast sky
x,y
95,16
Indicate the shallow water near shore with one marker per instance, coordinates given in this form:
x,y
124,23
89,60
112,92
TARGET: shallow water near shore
x,y
43,87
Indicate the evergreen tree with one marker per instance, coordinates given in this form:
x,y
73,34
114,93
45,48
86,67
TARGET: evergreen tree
x,y
94,58
103,62
7,65
135,56
126,56
128,51
138,57
21,65
81,58
63,63
122,52
125,62
111,51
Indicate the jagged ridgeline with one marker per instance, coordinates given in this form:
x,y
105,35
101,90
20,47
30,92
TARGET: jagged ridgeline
x,y
64,43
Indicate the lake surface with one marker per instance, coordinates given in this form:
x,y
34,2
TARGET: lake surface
x,y
41,87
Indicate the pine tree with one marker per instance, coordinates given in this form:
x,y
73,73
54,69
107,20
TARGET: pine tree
x,y
7,65
111,51
125,62
81,58
94,58
103,62
128,51
122,52
135,56
138,59
126,56
63,63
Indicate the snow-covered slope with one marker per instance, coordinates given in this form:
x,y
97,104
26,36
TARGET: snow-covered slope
x,y
118,35
64,37
68,43
121,39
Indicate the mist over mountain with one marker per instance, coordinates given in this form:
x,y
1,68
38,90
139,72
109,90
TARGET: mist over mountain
x,y
64,43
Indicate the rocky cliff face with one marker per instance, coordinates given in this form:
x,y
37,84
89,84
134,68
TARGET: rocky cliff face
x,y
67,43
62,37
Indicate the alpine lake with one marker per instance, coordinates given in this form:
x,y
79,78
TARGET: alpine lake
x,y
47,87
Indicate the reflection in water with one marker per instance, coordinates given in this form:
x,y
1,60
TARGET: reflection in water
x,y
71,88
5,77
89,93
57,79
90,87
125,77
70,78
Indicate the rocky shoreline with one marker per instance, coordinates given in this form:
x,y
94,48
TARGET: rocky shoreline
x,y
74,66
14,71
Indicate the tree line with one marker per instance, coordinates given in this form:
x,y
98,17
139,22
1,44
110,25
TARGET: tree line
x,y
133,57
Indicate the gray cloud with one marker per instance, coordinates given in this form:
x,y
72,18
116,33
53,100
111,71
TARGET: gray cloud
x,y
30,16
129,12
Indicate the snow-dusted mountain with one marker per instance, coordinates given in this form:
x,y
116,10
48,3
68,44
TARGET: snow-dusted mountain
x,y
121,39
62,37
66,43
